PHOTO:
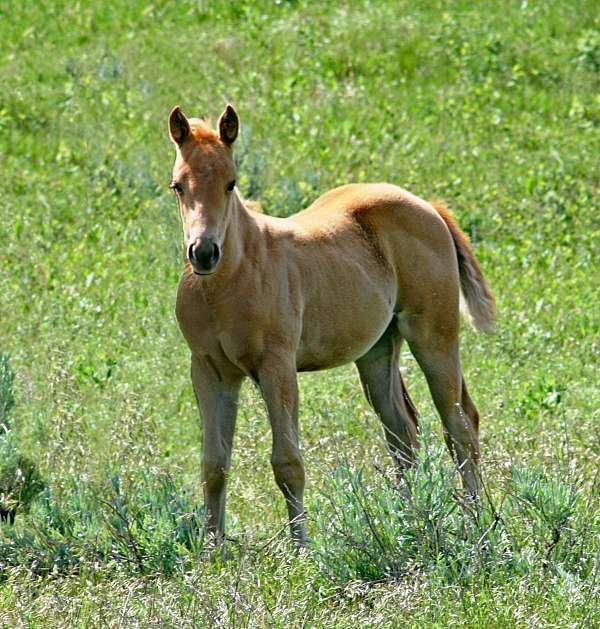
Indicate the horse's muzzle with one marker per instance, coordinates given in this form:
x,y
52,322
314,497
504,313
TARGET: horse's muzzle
x,y
204,255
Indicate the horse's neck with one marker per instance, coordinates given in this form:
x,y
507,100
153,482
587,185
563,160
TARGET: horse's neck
x,y
241,232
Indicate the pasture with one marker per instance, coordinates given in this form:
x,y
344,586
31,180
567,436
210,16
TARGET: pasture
x,y
493,107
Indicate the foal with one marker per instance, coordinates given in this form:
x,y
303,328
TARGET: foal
x,y
346,280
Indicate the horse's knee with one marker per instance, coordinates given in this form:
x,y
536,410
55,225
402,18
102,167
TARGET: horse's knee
x,y
215,474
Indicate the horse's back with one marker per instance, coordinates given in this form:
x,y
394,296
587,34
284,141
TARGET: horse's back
x,y
359,198
405,232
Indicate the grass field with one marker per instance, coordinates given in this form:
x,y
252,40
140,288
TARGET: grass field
x,y
494,107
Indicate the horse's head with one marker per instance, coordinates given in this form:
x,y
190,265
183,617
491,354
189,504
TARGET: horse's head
x,y
203,180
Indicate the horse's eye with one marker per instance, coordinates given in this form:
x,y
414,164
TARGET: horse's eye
x,y
231,186
175,186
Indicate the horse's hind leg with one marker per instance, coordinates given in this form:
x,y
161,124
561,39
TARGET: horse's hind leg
x,y
385,390
435,348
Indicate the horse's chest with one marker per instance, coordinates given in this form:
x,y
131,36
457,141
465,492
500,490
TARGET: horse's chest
x,y
229,333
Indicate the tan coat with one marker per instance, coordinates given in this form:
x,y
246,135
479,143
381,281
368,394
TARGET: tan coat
x,y
346,280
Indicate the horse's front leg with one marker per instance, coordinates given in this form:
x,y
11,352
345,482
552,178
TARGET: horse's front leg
x,y
279,387
217,393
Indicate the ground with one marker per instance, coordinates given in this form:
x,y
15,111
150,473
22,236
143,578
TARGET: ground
x,y
493,107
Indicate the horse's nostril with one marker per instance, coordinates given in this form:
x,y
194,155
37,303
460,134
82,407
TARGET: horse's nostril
x,y
190,253
216,252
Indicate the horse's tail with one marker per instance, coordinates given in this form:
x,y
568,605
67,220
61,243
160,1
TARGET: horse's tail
x,y
479,299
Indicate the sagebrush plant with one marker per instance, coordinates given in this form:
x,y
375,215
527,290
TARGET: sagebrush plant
x,y
140,525
380,529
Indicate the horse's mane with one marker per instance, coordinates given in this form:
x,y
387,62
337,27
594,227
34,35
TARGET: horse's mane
x,y
253,206
201,129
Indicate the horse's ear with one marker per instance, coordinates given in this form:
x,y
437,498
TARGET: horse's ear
x,y
229,125
179,127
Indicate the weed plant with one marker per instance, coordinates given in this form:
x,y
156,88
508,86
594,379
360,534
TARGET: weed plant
x,y
490,106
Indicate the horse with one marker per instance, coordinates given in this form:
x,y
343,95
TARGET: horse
x,y
348,279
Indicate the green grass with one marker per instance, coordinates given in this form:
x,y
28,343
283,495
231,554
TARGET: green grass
x,y
494,107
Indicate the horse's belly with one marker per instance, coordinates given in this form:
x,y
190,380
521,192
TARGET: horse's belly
x,y
341,331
